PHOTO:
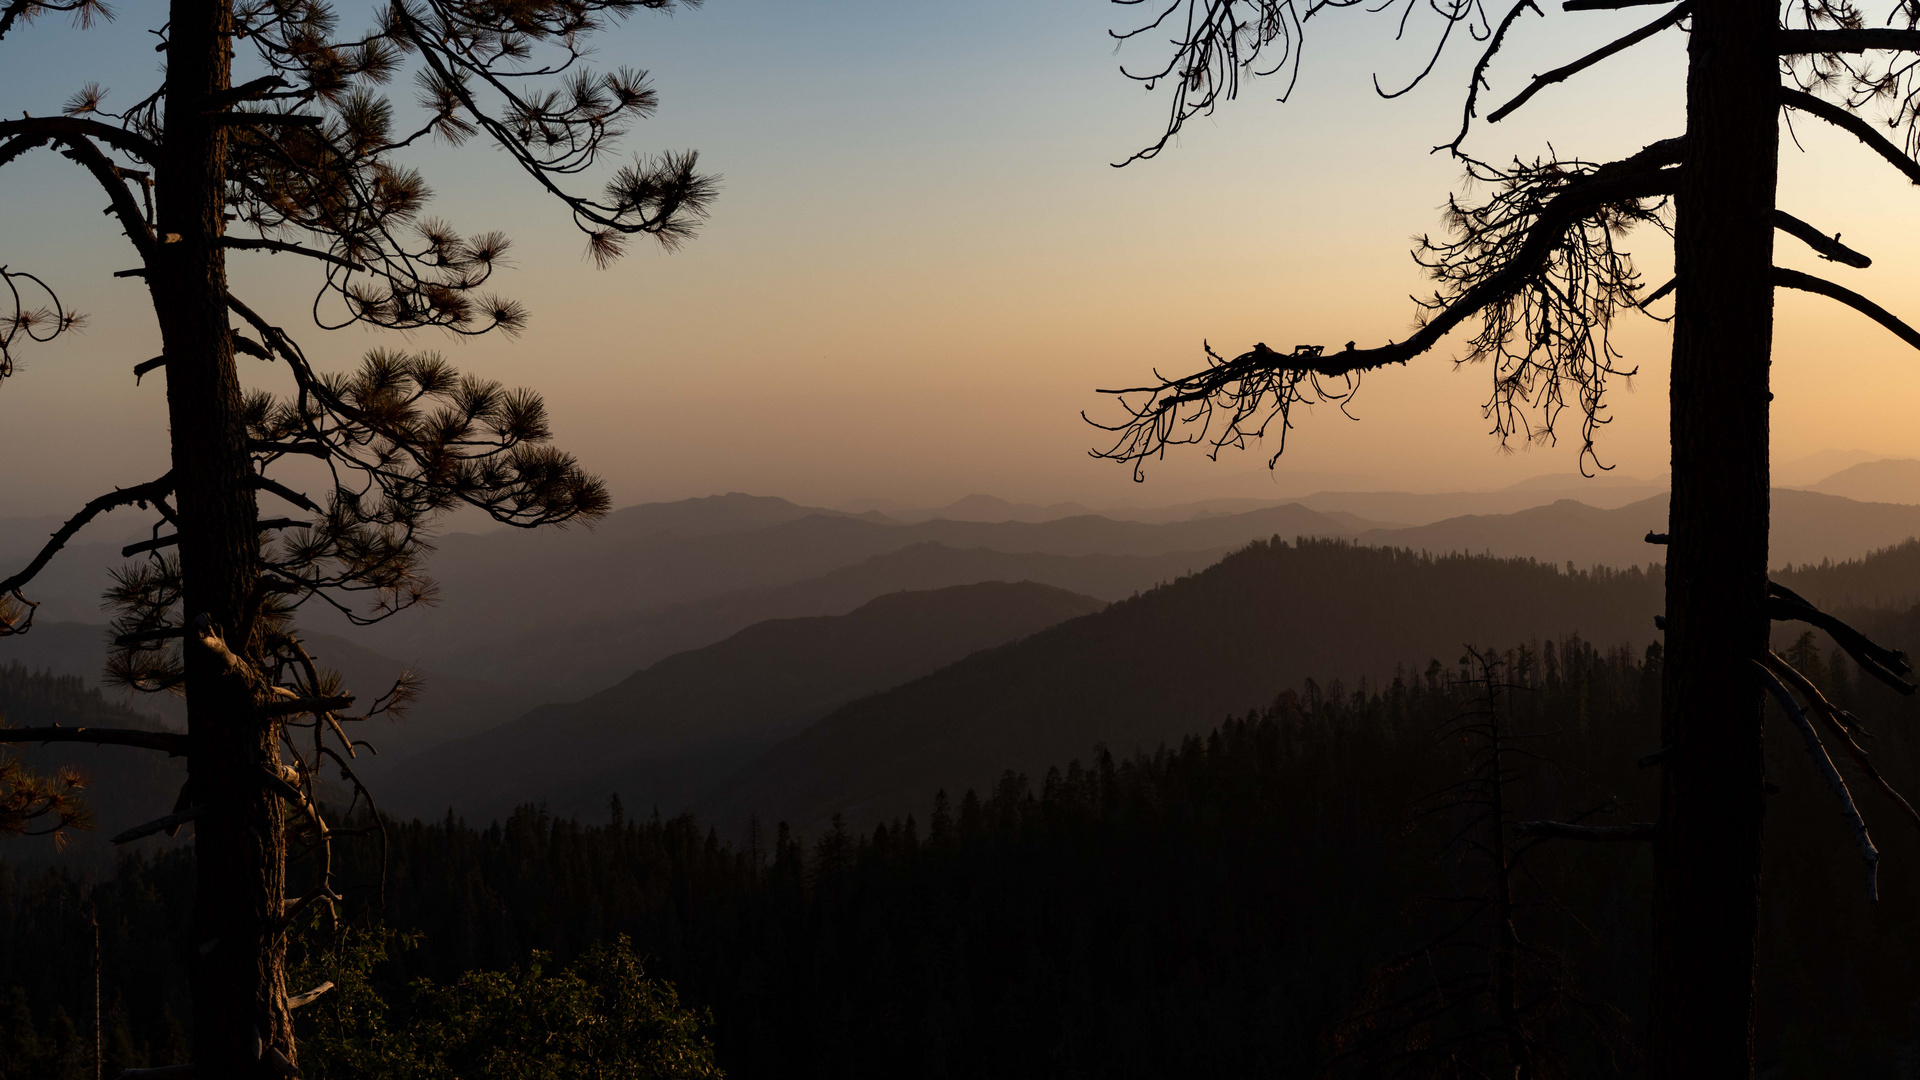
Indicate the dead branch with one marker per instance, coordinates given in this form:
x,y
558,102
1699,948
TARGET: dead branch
x,y
305,704
1887,665
167,824
1829,42
172,744
171,539
309,997
1794,279
1597,834
1829,247
139,493
1835,783
287,493
264,119
1840,721
59,127
254,90
132,222
267,446
1562,74
1859,128
244,244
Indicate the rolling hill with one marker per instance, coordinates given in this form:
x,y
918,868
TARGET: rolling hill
x,y
1891,480
688,720
1171,662
574,660
1807,527
509,583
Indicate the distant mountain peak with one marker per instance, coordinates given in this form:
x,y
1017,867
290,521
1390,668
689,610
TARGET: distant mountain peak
x,y
1888,480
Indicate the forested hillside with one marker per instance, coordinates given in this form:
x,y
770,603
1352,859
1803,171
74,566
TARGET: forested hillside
x,y
1169,663
1210,908
125,786
669,731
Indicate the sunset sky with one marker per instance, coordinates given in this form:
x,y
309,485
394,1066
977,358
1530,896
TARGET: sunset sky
x,y
922,264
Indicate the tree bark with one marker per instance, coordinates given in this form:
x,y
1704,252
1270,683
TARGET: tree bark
x,y
1707,849
238,970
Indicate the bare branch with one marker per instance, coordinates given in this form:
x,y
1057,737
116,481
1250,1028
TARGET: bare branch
x,y
1829,247
173,745
1859,128
1561,74
1794,279
171,821
254,90
265,119
1887,665
306,704
244,244
1824,762
294,1001
61,127
267,446
1840,722
287,493
124,208
140,493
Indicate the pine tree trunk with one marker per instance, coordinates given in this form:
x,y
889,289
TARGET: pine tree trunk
x,y
1707,857
238,976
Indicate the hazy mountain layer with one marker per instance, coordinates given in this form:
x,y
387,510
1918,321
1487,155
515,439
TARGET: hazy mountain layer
x,y
1169,663
127,786
511,584
1807,528
451,706
571,661
1893,480
684,722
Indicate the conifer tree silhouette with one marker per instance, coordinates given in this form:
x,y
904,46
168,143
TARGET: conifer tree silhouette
x,y
305,158
1535,272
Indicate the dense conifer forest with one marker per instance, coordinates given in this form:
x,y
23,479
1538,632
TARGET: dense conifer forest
x,y
1213,908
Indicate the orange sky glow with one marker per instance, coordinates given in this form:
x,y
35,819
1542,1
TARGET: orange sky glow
x,y
921,264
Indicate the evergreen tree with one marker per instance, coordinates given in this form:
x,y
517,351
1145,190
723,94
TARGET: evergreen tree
x,y
307,160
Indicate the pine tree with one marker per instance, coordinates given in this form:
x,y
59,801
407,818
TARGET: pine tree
x,y
307,160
